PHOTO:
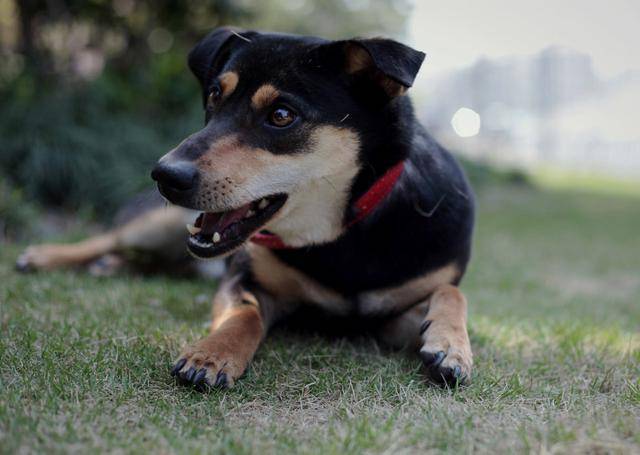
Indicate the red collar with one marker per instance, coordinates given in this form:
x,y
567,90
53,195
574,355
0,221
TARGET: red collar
x,y
365,204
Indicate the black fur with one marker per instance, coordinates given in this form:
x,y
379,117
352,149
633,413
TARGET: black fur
x,y
425,223
427,220
393,59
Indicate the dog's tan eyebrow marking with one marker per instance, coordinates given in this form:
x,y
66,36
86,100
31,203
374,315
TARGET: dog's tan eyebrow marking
x,y
264,96
228,82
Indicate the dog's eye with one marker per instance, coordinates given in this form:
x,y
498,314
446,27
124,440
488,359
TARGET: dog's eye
x,y
281,116
214,96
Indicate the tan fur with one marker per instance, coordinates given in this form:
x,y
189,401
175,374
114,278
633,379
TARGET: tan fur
x,y
151,231
228,83
51,256
448,329
236,332
288,284
264,96
447,332
398,298
316,180
156,228
313,213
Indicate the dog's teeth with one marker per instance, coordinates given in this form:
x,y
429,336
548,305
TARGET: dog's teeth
x,y
249,214
263,204
202,244
216,237
192,229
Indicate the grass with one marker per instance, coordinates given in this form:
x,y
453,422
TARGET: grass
x,y
554,291
559,179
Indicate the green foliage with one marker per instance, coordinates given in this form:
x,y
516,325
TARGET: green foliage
x,y
16,214
82,148
336,19
482,174
77,140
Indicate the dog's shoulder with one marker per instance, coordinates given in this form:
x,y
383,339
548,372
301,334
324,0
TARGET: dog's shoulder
x,y
419,237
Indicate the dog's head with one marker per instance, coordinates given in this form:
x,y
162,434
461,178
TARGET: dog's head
x,y
282,141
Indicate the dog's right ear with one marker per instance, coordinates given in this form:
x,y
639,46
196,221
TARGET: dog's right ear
x,y
382,64
213,50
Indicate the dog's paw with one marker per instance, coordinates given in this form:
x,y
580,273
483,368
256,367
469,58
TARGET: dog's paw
x,y
107,265
209,363
37,257
446,352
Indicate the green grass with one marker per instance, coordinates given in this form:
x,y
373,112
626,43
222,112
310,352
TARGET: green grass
x,y
588,181
554,292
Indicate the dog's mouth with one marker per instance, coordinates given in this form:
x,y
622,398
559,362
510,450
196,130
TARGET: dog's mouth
x,y
216,233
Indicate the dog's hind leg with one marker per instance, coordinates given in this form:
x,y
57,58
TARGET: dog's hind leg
x,y
160,229
51,256
437,328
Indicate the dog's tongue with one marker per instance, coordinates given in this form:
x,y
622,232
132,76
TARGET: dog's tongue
x,y
213,222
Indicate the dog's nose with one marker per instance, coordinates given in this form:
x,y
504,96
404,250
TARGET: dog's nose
x,y
177,176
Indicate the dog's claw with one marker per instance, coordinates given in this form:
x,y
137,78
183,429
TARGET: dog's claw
x,y
23,264
432,360
200,376
439,374
178,366
442,374
190,374
425,325
221,379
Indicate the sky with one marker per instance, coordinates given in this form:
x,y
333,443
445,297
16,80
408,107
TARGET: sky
x,y
455,33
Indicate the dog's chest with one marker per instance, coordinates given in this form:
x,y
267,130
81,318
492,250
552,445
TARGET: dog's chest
x,y
289,284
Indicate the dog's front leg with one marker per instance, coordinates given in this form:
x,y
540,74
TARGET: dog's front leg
x,y
240,321
437,328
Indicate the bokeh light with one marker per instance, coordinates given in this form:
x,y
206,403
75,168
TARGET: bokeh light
x,y
466,122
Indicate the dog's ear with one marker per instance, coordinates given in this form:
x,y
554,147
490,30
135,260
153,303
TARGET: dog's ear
x,y
213,50
390,65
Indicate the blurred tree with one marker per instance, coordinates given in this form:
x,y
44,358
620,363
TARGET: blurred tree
x,y
334,19
93,91
78,37
53,34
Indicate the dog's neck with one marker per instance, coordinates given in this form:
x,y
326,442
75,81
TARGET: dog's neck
x,y
314,213
294,231
320,211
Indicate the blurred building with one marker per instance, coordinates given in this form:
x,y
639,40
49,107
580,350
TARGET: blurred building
x,y
550,108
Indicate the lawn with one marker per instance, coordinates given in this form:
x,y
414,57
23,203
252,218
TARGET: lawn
x,y
554,293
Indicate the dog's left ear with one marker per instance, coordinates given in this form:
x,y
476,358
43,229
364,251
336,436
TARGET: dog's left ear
x,y
389,64
214,49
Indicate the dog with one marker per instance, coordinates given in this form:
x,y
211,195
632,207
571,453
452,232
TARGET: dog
x,y
314,179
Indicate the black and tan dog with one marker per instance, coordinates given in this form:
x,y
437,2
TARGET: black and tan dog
x,y
313,172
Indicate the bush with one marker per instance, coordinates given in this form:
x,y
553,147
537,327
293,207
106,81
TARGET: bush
x,y
482,174
16,215
75,149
